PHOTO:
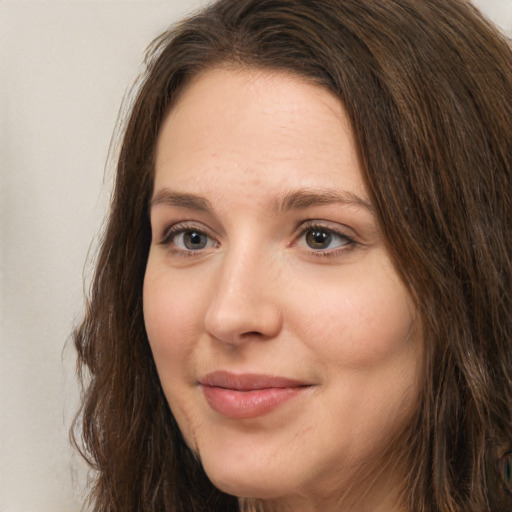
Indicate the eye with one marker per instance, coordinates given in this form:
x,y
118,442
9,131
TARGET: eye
x,y
187,239
318,238
323,240
191,240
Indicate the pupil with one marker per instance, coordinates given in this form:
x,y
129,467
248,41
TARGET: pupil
x,y
318,239
194,240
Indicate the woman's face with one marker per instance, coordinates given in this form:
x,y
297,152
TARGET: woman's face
x,y
287,346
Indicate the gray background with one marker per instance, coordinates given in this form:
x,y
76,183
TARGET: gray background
x,y
64,68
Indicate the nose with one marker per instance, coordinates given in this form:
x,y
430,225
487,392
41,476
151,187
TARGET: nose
x,y
244,303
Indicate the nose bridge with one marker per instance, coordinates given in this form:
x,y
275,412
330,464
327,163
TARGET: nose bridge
x,y
244,302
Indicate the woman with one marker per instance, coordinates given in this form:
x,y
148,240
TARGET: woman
x,y
302,299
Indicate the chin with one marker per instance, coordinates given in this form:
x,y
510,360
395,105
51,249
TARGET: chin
x,y
258,484
246,490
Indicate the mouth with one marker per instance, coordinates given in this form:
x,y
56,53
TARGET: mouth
x,y
244,396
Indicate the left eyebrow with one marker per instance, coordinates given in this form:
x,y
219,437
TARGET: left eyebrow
x,y
306,198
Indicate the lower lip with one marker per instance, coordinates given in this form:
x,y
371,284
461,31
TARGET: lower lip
x,y
248,404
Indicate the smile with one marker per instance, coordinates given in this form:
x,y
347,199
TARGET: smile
x,y
248,395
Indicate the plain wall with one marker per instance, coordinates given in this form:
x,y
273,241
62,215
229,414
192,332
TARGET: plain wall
x,y
64,68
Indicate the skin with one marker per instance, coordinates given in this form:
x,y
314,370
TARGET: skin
x,y
258,297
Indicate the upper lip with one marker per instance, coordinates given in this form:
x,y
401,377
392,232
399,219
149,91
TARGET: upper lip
x,y
248,381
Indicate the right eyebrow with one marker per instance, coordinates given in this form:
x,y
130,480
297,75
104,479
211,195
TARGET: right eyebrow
x,y
169,197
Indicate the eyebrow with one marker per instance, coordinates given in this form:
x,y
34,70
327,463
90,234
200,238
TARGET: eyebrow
x,y
181,200
296,200
306,198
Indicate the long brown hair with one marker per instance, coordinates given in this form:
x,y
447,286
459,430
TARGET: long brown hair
x,y
427,85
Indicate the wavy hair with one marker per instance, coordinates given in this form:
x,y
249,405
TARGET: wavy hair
x,y
427,85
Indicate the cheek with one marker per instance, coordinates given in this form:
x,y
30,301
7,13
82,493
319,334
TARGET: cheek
x,y
171,324
358,320
171,312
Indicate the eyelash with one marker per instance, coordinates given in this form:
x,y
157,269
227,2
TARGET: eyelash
x,y
311,226
172,232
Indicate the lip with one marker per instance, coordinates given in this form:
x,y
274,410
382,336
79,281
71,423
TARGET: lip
x,y
246,396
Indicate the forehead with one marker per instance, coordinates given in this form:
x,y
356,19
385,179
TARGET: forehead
x,y
255,126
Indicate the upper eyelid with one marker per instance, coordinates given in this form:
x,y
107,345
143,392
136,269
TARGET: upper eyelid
x,y
333,231
175,228
338,230
182,226
333,227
